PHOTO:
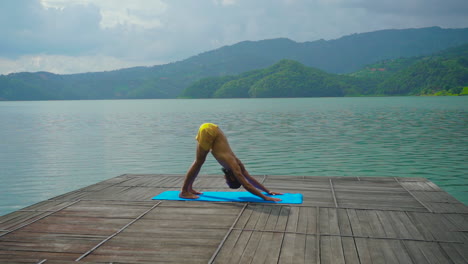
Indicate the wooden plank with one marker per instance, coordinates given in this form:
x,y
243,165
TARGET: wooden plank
x,y
426,252
460,221
48,261
299,179
46,214
375,251
269,248
293,220
420,186
318,197
263,218
180,254
382,179
436,227
363,218
46,206
369,186
377,229
116,233
390,230
104,209
350,250
292,243
135,194
458,208
231,251
403,227
363,250
399,251
96,187
71,196
458,253
329,222
388,251
273,218
244,218
331,250
410,229
435,197
251,247
307,221
354,222
38,242
199,204
344,223
311,217
298,248
411,179
77,225
250,217
283,217
380,200
20,256
16,219
138,240
189,211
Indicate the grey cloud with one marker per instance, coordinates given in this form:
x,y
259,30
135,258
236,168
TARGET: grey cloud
x,y
414,7
29,28
191,27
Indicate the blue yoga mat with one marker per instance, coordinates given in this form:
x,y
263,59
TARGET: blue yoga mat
x,y
288,198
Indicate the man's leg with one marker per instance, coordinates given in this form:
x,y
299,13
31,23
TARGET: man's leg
x,y
187,189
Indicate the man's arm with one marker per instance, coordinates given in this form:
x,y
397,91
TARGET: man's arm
x,y
187,189
237,171
254,181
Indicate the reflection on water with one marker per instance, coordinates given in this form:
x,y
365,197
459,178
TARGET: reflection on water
x,y
48,148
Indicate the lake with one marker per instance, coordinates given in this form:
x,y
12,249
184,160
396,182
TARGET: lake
x,y
48,148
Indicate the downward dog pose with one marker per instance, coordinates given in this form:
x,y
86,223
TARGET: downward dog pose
x,y
211,137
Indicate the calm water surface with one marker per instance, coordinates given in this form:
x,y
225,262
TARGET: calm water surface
x,y
52,147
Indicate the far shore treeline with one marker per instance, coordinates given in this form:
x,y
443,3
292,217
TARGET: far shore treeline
x,y
427,61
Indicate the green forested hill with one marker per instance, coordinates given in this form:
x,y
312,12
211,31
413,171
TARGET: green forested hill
x,y
428,76
442,73
287,78
344,55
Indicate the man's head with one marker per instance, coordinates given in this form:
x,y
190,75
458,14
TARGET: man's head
x,y
231,180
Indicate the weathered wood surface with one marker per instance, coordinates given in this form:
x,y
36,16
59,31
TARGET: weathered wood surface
x,y
342,220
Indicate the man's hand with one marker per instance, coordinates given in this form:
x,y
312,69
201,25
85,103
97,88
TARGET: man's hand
x,y
274,193
272,199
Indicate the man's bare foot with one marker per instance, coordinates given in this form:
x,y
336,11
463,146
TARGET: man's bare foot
x,y
188,195
195,192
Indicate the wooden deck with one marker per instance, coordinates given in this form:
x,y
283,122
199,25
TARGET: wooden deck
x,y
342,220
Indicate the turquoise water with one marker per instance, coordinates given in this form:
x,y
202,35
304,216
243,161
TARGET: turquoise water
x,y
52,147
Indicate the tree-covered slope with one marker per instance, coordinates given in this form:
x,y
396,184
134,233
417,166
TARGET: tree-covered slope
x,y
445,72
287,78
442,73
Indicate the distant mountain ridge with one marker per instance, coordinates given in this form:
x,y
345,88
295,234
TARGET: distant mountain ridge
x,y
343,55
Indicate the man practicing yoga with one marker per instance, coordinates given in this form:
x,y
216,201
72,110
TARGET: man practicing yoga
x,y
210,137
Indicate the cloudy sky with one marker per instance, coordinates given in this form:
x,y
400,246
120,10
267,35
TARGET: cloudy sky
x,y
71,36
